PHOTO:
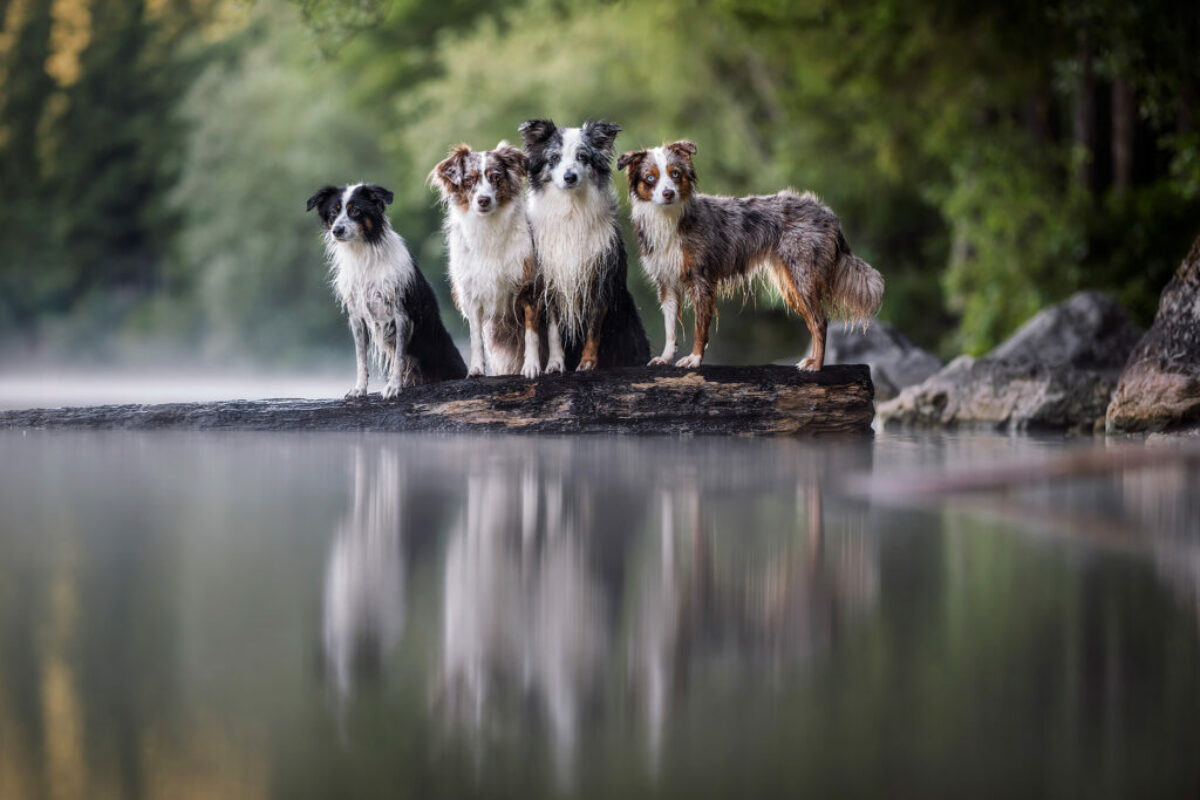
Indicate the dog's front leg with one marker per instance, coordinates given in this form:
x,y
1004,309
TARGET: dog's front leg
x,y
358,328
475,322
533,345
703,302
669,300
556,361
403,374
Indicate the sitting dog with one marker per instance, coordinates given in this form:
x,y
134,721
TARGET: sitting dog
x,y
581,258
699,244
492,267
389,302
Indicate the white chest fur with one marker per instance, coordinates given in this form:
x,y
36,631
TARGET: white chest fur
x,y
661,245
368,279
573,231
487,256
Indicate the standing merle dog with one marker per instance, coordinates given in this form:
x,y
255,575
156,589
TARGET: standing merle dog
x,y
581,258
389,302
695,246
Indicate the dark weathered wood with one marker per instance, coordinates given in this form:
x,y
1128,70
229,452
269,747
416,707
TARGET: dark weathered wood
x,y
767,400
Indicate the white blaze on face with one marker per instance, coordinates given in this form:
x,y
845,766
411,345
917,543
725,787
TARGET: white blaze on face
x,y
484,188
350,227
570,160
664,178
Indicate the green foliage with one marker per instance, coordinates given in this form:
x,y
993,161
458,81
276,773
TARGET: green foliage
x,y
269,125
1018,242
31,278
970,150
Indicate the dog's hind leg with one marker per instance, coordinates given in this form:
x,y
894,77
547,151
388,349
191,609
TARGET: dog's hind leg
x,y
704,303
403,374
590,357
358,328
795,283
533,346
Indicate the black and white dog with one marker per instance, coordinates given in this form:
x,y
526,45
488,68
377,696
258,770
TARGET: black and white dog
x,y
493,272
581,258
389,302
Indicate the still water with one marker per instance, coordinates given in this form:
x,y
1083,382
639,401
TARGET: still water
x,y
293,616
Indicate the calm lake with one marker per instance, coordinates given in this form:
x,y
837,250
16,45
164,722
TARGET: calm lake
x,y
294,616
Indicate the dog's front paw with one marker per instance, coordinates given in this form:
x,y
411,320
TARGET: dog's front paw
x,y
659,361
689,362
586,365
555,365
356,393
392,390
531,370
808,365
476,371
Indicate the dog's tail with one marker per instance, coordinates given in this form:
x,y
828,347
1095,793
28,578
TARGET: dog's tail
x,y
856,290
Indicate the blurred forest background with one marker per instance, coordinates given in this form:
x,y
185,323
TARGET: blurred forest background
x,y
988,158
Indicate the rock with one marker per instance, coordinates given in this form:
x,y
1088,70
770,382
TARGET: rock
x,y
895,362
766,400
1057,371
1159,389
1089,330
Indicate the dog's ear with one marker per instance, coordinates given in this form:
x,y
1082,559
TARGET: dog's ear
x,y
684,150
536,131
601,134
512,158
683,147
378,195
450,171
320,197
631,157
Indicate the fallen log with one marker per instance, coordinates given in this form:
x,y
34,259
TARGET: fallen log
x,y
761,400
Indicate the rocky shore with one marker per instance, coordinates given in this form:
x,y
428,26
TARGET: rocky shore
x,y
1080,365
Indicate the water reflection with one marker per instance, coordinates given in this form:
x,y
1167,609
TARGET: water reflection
x,y
565,566
321,616
365,573
523,617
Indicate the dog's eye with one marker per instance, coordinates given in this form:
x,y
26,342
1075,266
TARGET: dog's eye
x,y
649,179
337,208
675,174
353,211
554,159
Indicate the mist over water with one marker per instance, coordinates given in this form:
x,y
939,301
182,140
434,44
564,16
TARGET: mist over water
x,y
28,385
282,615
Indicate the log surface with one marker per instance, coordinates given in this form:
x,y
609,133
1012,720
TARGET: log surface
x,y
760,400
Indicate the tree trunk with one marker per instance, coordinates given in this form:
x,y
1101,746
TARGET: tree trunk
x,y
769,400
1085,114
1124,112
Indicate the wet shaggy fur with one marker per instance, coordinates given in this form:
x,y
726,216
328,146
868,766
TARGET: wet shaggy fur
x,y
695,245
493,271
392,308
592,319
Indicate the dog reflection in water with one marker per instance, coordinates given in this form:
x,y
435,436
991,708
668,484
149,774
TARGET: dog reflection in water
x,y
555,582
364,598
698,593
522,618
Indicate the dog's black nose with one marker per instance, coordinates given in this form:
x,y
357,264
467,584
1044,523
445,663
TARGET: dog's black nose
x,y
570,178
668,194
339,231
484,203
